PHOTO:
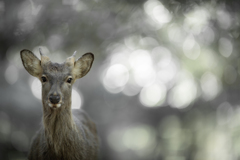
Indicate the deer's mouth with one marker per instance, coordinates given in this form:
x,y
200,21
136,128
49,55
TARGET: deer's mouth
x,y
54,105
54,101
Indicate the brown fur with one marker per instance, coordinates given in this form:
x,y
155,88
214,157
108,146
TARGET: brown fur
x,y
66,134
65,139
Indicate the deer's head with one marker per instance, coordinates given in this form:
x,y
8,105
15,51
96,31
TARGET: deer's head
x,y
57,79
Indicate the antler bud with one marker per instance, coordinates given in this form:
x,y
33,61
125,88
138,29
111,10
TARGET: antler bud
x,y
40,51
44,59
71,60
74,54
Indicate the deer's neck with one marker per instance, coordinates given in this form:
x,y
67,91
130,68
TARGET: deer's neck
x,y
60,129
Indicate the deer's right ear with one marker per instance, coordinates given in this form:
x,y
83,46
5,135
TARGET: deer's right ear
x,y
31,63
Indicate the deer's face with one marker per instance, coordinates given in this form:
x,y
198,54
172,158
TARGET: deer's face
x,y
57,79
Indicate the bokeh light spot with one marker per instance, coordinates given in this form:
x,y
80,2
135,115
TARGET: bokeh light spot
x,y
175,34
36,87
140,139
210,86
70,2
191,48
224,113
153,95
114,140
162,56
196,20
76,99
183,94
140,58
131,90
208,35
148,42
224,19
120,58
155,10
161,14
116,77
141,63
132,42
145,77
225,47
11,74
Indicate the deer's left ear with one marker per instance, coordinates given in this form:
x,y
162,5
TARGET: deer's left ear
x,y
83,65
31,63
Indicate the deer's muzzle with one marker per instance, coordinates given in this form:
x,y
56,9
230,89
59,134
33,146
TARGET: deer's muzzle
x,y
54,99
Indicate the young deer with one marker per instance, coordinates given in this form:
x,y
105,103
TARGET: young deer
x,y
66,134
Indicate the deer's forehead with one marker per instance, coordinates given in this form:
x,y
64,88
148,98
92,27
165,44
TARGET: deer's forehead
x,y
56,69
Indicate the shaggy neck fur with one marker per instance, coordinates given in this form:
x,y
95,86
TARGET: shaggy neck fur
x,y
60,129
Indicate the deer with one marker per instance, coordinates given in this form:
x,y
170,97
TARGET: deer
x,y
65,133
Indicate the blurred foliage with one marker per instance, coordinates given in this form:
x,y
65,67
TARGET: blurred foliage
x,y
164,84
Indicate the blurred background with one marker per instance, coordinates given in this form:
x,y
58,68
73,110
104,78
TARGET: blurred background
x,y
164,84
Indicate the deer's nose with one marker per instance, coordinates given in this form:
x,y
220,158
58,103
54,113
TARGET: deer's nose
x,y
54,98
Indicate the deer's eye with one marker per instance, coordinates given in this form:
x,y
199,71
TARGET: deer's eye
x,y
69,80
44,79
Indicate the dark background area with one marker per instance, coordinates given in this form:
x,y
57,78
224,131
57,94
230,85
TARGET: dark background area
x,y
164,84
